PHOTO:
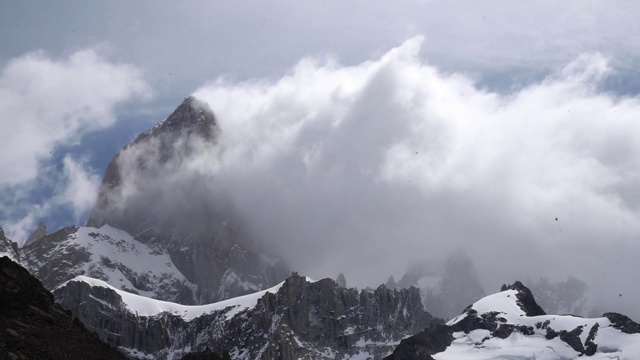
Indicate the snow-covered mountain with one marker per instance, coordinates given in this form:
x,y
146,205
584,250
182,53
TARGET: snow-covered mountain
x,y
511,325
296,319
110,255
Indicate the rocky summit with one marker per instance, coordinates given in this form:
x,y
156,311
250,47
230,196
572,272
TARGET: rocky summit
x,y
511,325
32,326
297,319
143,192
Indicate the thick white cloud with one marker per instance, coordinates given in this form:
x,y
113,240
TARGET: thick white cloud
x,y
47,102
364,168
81,187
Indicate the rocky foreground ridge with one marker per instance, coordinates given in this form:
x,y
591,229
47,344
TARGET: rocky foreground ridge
x,y
297,319
511,325
32,326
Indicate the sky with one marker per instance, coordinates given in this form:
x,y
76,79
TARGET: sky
x,y
353,131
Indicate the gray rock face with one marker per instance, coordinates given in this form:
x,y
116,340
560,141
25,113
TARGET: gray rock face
x,y
150,191
303,320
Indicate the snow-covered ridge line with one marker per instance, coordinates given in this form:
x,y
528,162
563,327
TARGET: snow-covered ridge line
x,y
511,325
144,306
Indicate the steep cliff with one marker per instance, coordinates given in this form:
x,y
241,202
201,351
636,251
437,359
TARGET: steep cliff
x,y
32,326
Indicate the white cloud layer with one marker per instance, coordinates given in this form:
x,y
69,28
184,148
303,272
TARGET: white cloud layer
x,y
45,104
365,168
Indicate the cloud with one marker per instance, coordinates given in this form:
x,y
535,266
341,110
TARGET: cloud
x,y
81,188
48,104
499,41
366,168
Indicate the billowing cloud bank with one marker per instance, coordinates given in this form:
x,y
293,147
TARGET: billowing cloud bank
x,y
49,103
366,168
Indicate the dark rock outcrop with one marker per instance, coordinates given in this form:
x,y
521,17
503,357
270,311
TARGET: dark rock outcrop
x,y
526,302
623,323
32,326
206,355
302,320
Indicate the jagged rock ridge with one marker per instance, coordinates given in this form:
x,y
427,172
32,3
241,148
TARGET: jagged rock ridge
x,y
32,326
297,319
8,248
510,324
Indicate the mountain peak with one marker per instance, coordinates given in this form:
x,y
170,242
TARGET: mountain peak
x,y
525,300
510,324
37,234
192,115
150,191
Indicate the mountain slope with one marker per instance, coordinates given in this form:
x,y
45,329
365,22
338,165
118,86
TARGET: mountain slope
x,y
296,319
511,325
110,255
32,326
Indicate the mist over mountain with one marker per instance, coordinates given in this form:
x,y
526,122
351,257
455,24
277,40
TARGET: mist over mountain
x,y
332,168
369,168
154,190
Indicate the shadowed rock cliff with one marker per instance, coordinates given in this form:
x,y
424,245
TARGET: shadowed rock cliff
x,y
32,326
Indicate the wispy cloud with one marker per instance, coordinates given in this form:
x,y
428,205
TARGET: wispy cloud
x,y
48,103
